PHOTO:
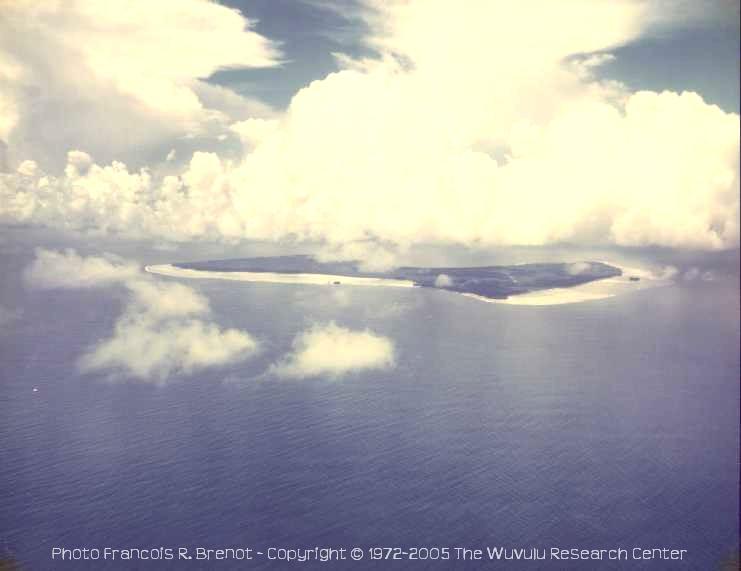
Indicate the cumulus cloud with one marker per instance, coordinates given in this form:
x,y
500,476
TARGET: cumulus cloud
x,y
111,199
52,269
578,268
329,350
121,75
161,332
149,347
159,335
443,280
501,135
163,299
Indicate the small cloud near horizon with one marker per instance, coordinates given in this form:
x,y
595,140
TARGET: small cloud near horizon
x,y
329,350
162,331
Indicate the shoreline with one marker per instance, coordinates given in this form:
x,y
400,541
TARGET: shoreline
x,y
591,291
274,277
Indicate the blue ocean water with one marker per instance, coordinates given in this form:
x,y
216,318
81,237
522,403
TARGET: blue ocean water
x,y
597,425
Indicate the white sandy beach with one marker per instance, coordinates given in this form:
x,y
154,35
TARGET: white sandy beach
x,y
592,291
274,278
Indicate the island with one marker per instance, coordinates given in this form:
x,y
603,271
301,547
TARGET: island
x,y
492,282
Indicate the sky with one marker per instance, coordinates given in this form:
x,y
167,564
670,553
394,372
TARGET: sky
x,y
369,127
700,55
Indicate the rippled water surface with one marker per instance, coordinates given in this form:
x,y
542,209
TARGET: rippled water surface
x,y
602,424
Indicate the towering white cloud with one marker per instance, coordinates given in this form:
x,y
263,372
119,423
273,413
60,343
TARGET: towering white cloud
x,y
501,134
498,135
329,350
110,77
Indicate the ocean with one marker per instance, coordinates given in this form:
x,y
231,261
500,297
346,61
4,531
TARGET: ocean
x,y
599,425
